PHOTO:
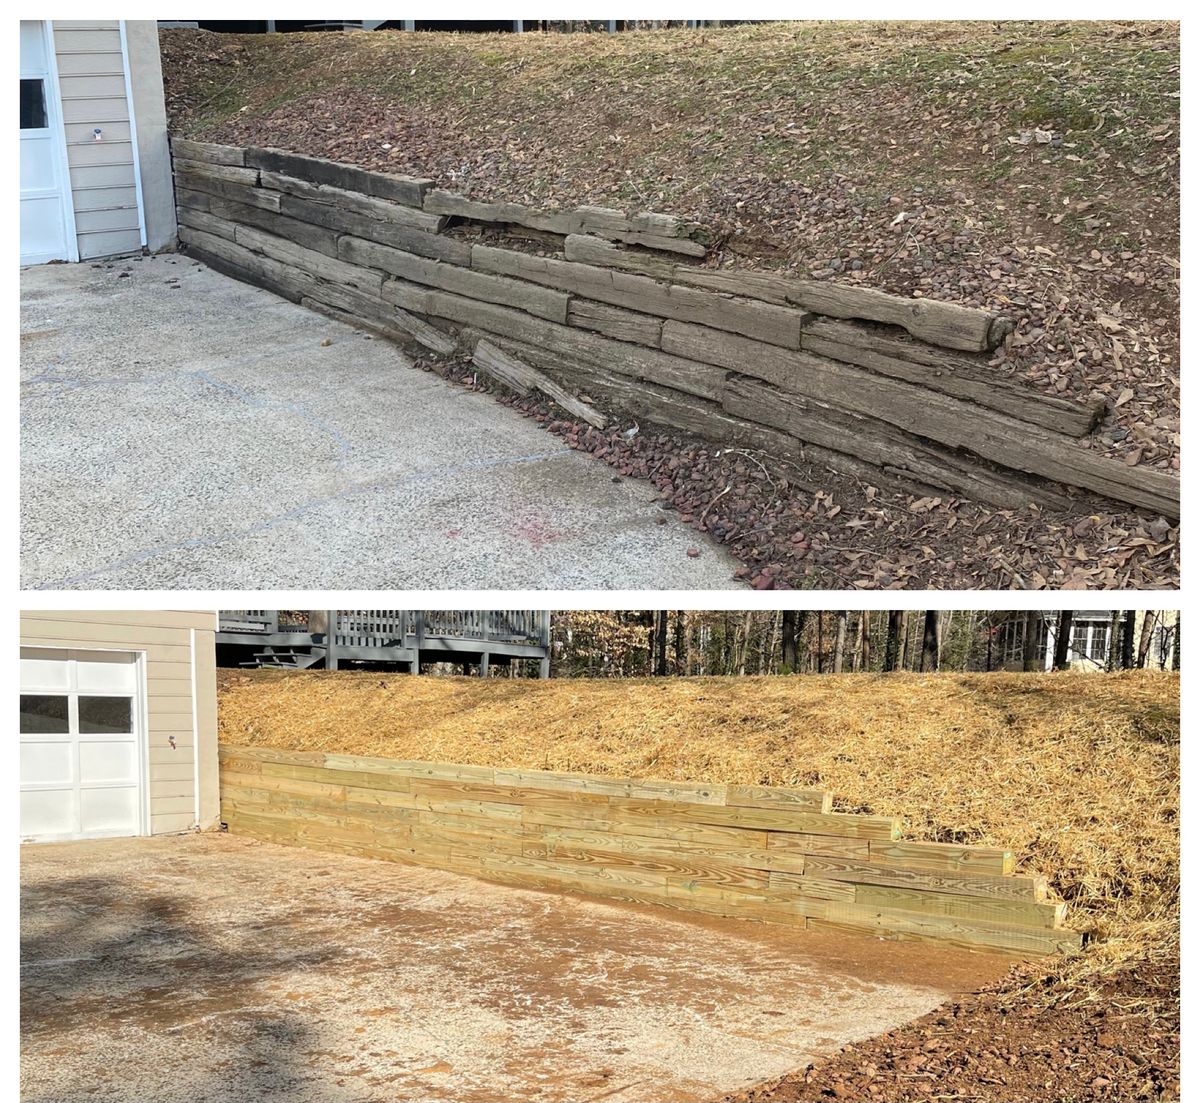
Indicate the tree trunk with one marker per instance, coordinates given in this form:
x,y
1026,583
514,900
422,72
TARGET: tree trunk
x,y
1114,635
839,646
891,654
682,644
1178,640
1149,619
1127,639
788,641
1029,644
866,640
660,641
930,647
1062,640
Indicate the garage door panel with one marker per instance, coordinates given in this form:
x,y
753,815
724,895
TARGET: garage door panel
x,y
46,762
118,672
47,813
43,669
107,811
107,762
81,745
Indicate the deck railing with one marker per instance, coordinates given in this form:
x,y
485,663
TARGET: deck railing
x,y
381,627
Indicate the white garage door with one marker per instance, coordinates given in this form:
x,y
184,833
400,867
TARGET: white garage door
x,y
44,235
81,745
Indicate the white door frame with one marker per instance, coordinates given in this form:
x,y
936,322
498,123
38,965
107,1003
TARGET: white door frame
x,y
141,725
58,137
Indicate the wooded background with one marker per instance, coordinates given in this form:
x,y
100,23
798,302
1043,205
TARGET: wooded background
x,y
632,643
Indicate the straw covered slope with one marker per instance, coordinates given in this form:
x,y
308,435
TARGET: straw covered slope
x,y
1078,774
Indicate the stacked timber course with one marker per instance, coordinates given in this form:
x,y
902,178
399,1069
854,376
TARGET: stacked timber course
x,y
600,308
742,851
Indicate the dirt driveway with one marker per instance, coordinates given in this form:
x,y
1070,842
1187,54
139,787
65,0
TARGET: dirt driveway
x,y
181,430
216,968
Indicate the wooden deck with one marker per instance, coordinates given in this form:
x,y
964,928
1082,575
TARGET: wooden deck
x,y
472,637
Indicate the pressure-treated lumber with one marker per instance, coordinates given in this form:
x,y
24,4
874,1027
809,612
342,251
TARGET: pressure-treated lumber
x,y
768,853
520,377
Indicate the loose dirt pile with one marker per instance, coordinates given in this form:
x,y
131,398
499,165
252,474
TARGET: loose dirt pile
x,y
1078,774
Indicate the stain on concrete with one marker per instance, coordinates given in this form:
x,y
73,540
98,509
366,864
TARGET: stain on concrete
x,y
215,968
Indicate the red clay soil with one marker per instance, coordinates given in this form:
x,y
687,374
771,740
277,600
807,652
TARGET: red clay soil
x,y
990,1048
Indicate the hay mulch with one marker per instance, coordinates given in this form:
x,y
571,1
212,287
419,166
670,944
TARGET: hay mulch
x,y
1079,774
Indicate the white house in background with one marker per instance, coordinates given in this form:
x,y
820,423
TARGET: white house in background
x,y
118,728
1092,640
95,164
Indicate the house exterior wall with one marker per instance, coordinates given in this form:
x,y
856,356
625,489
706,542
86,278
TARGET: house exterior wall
x,y
181,721
1089,653
150,113
110,79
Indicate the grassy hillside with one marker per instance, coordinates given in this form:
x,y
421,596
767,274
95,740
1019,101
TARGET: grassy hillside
x,y
1029,167
1079,774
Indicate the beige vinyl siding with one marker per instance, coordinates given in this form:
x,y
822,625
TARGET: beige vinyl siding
x,y
104,194
166,639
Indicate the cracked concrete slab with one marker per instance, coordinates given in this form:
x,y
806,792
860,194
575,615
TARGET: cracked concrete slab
x,y
181,430
216,968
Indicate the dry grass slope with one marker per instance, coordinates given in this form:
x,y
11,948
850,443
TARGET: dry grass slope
x,y
1079,775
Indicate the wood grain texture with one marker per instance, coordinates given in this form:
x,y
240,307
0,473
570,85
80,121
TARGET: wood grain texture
x,y
767,853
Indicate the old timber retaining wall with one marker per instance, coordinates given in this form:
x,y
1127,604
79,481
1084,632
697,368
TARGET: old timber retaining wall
x,y
751,852
619,310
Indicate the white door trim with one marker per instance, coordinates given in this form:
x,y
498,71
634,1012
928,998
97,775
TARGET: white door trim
x,y
133,135
141,713
54,102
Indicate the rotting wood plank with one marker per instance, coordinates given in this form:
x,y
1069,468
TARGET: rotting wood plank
x,y
939,323
186,149
648,229
620,357
312,237
772,324
245,265
520,377
597,251
225,189
309,261
615,322
964,380
371,206
543,302
228,174
199,219
370,227
441,202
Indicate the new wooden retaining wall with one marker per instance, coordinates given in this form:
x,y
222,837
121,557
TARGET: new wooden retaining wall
x,y
619,311
743,851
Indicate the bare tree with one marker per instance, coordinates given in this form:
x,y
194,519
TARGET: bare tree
x,y
839,646
1127,639
1062,640
1149,619
1029,650
789,635
660,642
891,654
930,643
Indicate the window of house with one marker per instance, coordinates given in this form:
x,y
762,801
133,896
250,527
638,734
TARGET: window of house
x,y
33,104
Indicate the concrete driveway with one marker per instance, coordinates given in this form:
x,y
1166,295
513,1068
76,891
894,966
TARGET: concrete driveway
x,y
181,430
216,968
